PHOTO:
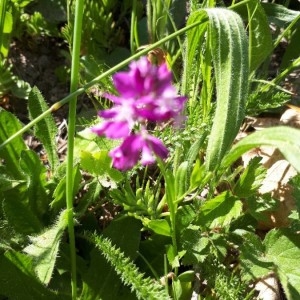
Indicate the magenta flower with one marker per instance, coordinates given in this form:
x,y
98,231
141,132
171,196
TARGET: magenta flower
x,y
146,93
137,146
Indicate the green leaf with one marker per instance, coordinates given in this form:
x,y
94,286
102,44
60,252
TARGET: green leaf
x,y
181,180
35,172
6,183
194,42
59,193
18,214
11,153
196,245
254,263
292,51
229,48
251,179
184,216
279,14
283,249
199,176
44,248
286,139
99,164
260,38
279,252
257,205
220,211
18,281
160,226
6,33
101,275
46,129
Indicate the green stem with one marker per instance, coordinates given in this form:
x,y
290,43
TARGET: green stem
x,y
71,133
97,79
134,39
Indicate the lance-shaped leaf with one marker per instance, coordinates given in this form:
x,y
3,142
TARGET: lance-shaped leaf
x,y
229,48
45,130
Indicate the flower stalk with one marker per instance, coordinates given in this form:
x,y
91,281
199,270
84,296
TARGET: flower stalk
x,y
70,146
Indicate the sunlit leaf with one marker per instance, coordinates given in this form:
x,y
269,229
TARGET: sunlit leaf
x,y
286,139
44,248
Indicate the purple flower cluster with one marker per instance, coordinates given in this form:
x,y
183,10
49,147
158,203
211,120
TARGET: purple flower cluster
x,y
146,93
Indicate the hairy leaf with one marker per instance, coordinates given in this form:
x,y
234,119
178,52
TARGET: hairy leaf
x,y
111,264
44,248
46,129
35,172
18,214
220,211
18,281
283,249
251,179
230,59
9,125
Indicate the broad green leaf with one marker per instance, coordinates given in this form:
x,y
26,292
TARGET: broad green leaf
x,y
35,172
220,211
99,164
160,226
18,281
279,253
11,153
172,256
184,216
229,48
46,129
18,214
195,244
286,139
283,249
258,205
254,263
44,248
279,14
260,38
251,179
91,196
